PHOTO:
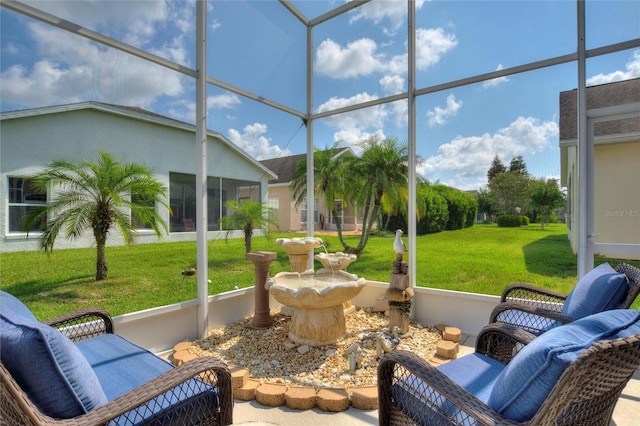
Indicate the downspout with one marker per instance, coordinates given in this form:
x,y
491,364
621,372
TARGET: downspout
x,y
202,264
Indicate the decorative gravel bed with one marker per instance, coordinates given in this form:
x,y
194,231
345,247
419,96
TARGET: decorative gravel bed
x,y
270,356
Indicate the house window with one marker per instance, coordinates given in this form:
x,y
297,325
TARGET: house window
x,y
303,211
23,197
273,203
140,199
182,194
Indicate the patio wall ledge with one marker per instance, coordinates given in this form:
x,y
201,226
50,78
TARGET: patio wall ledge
x,y
159,329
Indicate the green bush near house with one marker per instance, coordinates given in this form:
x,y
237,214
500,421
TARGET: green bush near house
x,y
483,258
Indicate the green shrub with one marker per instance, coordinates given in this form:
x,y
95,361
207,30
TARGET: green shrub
x,y
524,220
510,220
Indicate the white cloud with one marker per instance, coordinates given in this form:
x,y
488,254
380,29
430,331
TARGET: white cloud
x,y
632,70
495,81
438,116
225,100
392,84
463,162
72,69
254,142
362,118
362,57
431,45
358,58
355,125
377,11
400,113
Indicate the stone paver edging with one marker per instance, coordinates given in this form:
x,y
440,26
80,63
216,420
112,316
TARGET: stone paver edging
x,y
277,393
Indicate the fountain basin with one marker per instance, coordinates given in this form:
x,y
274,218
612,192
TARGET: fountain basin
x,y
316,300
299,245
337,261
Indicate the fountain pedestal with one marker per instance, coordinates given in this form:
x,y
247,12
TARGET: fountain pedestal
x,y
316,299
317,327
261,314
298,250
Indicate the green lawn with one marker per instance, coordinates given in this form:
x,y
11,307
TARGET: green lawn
x,y
481,259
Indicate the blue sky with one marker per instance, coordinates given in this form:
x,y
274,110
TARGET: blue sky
x,y
359,56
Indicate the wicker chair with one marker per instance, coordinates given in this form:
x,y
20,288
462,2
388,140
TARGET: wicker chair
x,y
196,392
585,392
536,310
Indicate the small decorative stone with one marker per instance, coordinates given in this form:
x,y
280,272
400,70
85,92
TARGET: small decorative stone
x,y
365,397
300,398
271,394
333,399
181,357
239,376
447,349
248,391
303,349
182,346
452,334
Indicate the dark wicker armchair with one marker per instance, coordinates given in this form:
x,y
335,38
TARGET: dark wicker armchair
x,y
196,392
411,392
536,309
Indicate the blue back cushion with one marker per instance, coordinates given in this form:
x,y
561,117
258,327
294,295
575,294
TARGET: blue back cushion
x,y
600,289
8,302
526,381
48,366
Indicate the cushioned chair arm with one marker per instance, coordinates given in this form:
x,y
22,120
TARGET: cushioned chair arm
x,y
83,323
529,294
502,341
530,310
208,369
397,365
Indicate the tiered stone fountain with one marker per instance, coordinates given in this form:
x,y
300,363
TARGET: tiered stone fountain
x,y
317,298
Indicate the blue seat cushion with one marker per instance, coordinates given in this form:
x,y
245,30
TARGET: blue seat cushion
x,y
8,302
475,372
48,367
599,290
528,379
122,366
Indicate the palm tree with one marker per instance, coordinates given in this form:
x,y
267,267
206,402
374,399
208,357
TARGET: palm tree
x,y
377,181
248,215
328,171
96,196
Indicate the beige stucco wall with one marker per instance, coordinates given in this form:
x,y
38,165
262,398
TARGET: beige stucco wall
x,y
616,195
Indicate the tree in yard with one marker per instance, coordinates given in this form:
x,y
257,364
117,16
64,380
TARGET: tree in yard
x,y
377,181
545,196
96,196
328,172
508,191
496,168
248,215
518,166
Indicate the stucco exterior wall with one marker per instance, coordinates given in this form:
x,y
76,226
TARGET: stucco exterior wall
x,y
29,143
616,195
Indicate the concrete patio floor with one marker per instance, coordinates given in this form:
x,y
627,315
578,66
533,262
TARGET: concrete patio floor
x,y
251,413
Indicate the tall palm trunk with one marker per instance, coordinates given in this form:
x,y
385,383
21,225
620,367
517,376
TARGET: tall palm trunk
x,y
101,260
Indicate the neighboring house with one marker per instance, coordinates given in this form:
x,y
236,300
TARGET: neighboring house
x,y
292,217
77,132
616,160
